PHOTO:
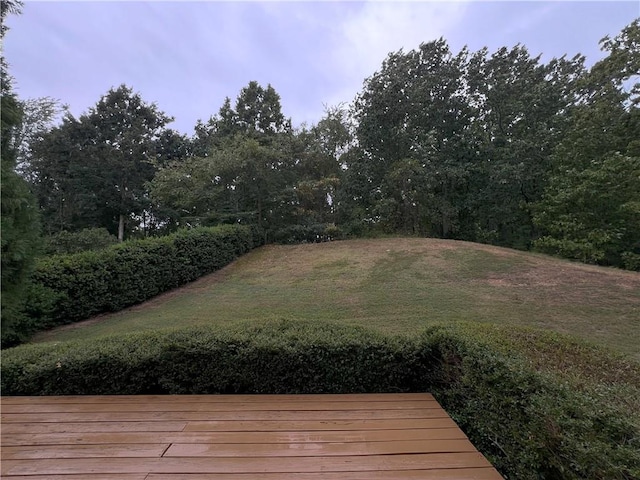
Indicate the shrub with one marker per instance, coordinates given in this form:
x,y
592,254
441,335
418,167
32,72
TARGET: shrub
x,y
74,242
281,357
93,282
531,421
631,261
316,233
36,312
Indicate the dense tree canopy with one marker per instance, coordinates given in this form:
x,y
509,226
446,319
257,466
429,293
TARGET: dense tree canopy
x,y
91,171
590,210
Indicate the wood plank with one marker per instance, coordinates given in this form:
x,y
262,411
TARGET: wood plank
x,y
317,449
228,426
173,399
94,427
451,433
274,426
436,474
88,416
108,476
84,451
169,465
209,406
448,474
253,406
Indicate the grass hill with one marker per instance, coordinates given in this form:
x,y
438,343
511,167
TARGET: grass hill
x,y
396,285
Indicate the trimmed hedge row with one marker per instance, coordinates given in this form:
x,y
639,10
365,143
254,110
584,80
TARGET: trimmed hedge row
x,y
531,424
93,282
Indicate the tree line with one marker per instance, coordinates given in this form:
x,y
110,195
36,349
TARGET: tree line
x,y
499,148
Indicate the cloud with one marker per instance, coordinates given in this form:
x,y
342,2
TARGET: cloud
x,y
369,33
528,19
187,56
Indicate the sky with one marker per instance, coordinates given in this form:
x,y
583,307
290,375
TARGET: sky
x,y
188,56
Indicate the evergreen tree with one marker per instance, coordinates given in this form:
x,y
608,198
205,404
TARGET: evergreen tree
x,y
19,219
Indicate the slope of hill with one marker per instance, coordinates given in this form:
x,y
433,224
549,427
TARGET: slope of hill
x,y
397,285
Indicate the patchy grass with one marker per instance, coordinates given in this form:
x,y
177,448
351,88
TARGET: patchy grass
x,y
396,286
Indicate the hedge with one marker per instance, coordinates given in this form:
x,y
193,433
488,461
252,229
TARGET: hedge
x,y
69,288
531,422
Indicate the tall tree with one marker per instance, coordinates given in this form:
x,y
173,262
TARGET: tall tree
x,y
38,118
101,162
257,114
413,109
19,220
258,110
591,208
239,181
317,168
518,107
223,125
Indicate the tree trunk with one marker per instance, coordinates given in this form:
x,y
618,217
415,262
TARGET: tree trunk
x,y
121,229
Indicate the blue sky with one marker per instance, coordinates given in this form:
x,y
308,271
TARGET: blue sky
x,y
187,56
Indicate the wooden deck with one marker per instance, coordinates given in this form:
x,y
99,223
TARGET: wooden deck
x,y
217,437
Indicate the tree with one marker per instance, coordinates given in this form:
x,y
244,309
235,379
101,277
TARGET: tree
x,y
593,214
101,162
257,114
38,117
591,208
238,182
222,126
518,107
477,129
317,169
413,109
59,173
19,220
258,110
246,166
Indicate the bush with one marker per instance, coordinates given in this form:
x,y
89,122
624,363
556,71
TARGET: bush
x,y
631,261
531,421
316,233
93,282
280,357
74,242
35,313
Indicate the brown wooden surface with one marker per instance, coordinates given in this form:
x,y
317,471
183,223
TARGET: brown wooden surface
x,y
223,437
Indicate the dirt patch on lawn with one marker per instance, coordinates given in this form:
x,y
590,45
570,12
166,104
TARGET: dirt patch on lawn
x,y
570,283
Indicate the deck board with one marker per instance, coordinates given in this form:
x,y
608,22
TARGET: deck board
x,y
224,437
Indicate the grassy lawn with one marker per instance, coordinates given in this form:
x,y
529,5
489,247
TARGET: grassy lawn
x,y
396,286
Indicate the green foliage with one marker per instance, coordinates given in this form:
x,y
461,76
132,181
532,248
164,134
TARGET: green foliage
x,y
38,308
91,171
19,217
74,242
316,233
531,421
93,282
631,261
20,227
279,357
239,179
590,209
257,115
457,145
